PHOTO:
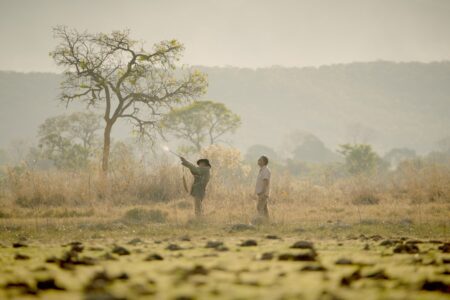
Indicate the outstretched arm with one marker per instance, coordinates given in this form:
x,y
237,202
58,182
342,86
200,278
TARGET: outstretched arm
x,y
194,169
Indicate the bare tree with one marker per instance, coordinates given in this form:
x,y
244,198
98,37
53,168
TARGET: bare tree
x,y
115,72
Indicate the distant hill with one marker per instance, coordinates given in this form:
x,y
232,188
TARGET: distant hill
x,y
386,104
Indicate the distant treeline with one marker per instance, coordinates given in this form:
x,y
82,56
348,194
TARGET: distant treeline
x,y
385,104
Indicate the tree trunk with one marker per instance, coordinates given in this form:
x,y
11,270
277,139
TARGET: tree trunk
x,y
106,146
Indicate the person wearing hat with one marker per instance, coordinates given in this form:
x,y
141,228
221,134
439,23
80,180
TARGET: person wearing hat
x,y
201,174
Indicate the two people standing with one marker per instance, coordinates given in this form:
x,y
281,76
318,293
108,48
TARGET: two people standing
x,y
202,174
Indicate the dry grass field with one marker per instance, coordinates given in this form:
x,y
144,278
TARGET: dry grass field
x,y
373,237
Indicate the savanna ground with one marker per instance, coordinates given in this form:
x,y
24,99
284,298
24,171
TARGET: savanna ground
x,y
79,235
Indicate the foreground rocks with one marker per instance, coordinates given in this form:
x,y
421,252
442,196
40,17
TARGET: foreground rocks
x,y
202,267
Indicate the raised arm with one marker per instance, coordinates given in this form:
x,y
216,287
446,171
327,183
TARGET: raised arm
x,y
194,169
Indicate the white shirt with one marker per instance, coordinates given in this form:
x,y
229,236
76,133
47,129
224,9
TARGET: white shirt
x,y
264,173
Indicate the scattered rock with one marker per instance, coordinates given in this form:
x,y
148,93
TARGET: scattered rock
x,y
380,274
327,295
100,280
108,256
96,248
71,244
40,269
347,280
344,261
352,237
222,248
77,248
436,285
173,247
415,242
445,248
196,270
22,286
406,248
185,238
142,289
362,237
389,243
313,268
435,242
184,297
366,247
19,256
101,295
119,250
48,284
19,245
51,259
122,276
266,256
249,243
153,256
305,256
213,244
303,245
135,241
272,237
70,259
376,237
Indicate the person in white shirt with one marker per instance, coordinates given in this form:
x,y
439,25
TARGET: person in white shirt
x,y
262,188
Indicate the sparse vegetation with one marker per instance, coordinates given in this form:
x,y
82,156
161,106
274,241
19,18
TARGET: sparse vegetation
x,y
85,216
144,216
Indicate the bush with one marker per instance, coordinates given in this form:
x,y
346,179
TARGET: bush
x,y
366,199
184,204
4,215
141,215
52,200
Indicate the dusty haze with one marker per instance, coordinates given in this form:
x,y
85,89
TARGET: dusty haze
x,y
239,33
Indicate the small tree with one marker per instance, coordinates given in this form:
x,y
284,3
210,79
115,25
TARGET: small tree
x,y
69,141
201,123
359,158
115,72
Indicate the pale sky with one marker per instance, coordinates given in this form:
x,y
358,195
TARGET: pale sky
x,y
245,33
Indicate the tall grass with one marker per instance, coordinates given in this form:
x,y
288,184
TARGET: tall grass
x,y
415,193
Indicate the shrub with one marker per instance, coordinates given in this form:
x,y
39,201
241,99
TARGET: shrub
x,y
141,215
4,215
37,200
366,199
184,204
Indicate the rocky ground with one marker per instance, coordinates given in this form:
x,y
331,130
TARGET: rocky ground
x,y
244,265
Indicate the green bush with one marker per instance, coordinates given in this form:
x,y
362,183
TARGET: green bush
x,y
141,215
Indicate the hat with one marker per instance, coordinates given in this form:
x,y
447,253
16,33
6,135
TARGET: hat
x,y
204,160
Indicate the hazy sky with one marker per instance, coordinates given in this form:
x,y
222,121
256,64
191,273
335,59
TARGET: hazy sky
x,y
247,33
